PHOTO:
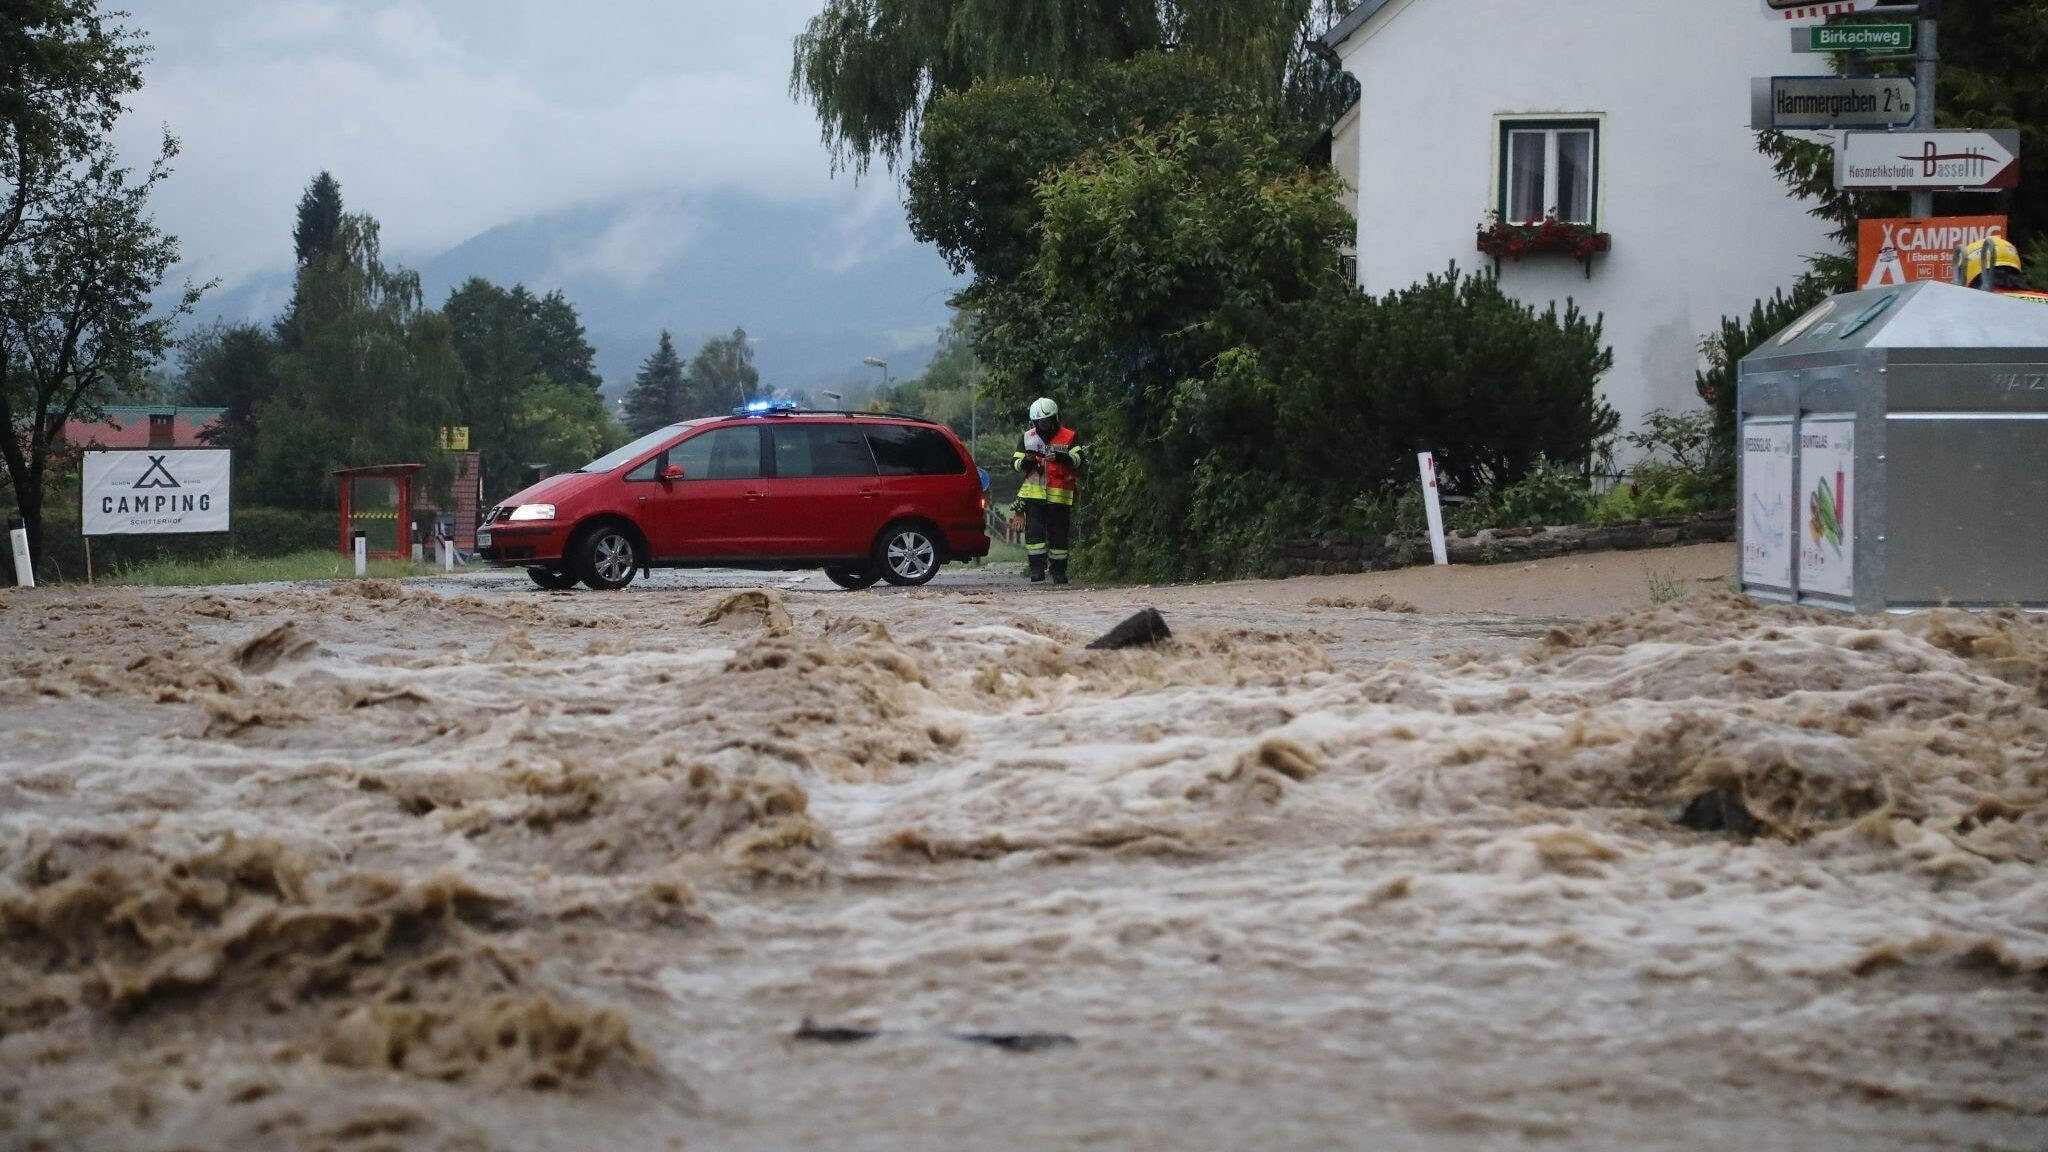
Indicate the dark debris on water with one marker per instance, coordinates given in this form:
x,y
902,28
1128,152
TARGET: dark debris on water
x,y
1007,1041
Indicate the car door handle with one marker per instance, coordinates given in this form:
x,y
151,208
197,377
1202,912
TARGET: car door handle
x,y
868,493
757,495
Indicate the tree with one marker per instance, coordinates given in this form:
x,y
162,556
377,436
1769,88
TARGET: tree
x,y
871,68
528,392
79,254
231,366
722,374
971,189
371,378
656,399
319,223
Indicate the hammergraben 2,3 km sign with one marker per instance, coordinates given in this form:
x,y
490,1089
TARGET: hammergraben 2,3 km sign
x,y
1781,102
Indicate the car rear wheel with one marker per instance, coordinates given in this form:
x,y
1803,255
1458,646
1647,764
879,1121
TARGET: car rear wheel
x,y
551,579
605,558
908,554
852,579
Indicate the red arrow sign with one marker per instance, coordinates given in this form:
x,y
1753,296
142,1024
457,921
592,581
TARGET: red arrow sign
x,y
1816,9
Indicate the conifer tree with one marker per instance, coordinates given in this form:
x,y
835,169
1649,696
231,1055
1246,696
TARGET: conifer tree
x,y
657,395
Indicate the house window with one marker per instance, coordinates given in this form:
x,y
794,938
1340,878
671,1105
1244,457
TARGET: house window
x,y
1549,166
160,431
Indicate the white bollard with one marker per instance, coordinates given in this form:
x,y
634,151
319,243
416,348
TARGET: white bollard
x,y
447,555
1432,506
418,553
24,569
362,554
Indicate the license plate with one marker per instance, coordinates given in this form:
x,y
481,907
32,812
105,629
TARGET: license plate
x,y
483,539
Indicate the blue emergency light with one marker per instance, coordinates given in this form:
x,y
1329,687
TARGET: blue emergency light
x,y
763,407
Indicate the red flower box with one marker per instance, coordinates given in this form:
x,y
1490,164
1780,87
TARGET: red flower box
x,y
1549,235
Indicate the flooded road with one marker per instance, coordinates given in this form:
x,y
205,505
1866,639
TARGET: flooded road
x,y
461,864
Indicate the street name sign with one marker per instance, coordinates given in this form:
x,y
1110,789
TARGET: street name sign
x,y
1810,102
1888,38
1954,161
1819,9
146,491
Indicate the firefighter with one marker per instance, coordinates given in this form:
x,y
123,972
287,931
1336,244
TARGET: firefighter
x,y
1049,458
1993,264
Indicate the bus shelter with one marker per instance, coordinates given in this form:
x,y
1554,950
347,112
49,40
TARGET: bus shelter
x,y
377,501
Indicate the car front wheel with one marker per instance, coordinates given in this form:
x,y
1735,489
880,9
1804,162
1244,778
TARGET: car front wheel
x,y
908,555
551,579
606,560
852,579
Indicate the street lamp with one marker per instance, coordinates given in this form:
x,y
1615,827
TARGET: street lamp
x,y
878,362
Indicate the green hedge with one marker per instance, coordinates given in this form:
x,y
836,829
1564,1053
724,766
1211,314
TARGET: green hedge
x,y
258,532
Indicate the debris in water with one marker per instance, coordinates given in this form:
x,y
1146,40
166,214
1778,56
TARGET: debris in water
x,y
1017,1041
1007,1041
833,1033
1142,630
268,649
755,608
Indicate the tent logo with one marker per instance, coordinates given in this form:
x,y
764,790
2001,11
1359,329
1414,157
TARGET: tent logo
x,y
157,476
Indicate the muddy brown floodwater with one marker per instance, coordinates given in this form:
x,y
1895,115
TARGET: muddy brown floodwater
x,y
1352,862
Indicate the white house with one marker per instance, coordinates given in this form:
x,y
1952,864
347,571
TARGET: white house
x,y
1628,115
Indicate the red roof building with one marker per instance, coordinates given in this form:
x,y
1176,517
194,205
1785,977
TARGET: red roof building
x,y
144,426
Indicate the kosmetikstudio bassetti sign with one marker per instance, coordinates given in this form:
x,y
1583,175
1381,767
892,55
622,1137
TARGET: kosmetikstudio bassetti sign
x,y
150,491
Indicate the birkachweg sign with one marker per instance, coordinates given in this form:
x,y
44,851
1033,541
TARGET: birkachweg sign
x,y
150,491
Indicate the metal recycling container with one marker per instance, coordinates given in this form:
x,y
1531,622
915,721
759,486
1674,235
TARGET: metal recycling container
x,y
1894,453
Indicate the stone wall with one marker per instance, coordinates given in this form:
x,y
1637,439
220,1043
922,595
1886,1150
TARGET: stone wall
x,y
1342,552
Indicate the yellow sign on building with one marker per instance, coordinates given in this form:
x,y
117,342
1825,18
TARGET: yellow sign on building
x,y
455,439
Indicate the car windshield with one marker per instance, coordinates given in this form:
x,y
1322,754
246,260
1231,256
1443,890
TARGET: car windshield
x,y
647,443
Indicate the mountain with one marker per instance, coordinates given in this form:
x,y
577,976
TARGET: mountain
x,y
817,291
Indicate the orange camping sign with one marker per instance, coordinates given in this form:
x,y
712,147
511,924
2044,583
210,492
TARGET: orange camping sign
x,y
1907,251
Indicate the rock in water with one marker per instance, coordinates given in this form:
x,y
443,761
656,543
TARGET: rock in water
x,y
1719,810
1142,630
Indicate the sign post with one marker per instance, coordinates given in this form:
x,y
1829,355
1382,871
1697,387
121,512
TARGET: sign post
x,y
1888,39
17,534
1822,9
1782,103
1925,162
1894,253
1432,507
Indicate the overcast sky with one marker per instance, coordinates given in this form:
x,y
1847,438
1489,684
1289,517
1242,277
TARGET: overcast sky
x,y
444,118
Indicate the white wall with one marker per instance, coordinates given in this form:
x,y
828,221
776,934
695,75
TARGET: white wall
x,y
1700,226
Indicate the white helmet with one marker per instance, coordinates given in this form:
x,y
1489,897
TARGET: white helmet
x,y
1044,409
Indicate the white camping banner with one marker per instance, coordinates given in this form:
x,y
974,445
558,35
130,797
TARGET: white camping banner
x,y
156,491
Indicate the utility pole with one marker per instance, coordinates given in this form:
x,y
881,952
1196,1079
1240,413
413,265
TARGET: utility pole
x,y
1926,55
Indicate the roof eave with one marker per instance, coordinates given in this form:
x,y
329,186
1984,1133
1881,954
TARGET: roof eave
x,y
1344,29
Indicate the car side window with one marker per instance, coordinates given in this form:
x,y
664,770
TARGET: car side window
x,y
651,470
821,450
907,450
729,453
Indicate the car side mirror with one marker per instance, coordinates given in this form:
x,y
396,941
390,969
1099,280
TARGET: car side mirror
x,y
672,472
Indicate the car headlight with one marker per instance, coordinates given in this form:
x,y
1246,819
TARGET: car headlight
x,y
533,512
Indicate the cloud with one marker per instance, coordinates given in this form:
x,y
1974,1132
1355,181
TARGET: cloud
x,y
639,245
446,119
